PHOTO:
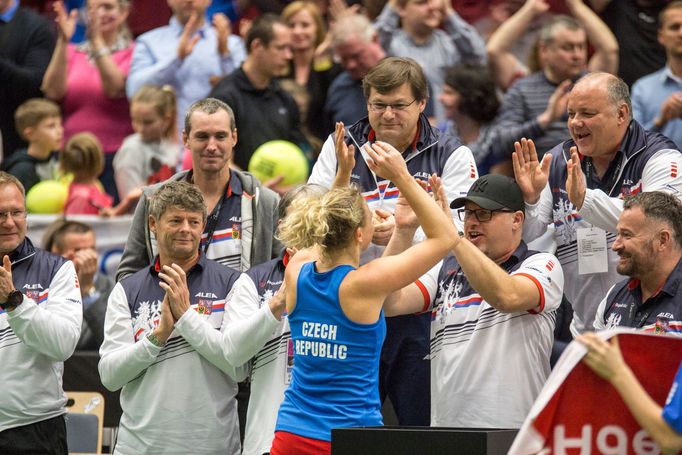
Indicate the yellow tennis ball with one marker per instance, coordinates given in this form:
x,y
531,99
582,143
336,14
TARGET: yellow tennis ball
x,y
275,158
48,196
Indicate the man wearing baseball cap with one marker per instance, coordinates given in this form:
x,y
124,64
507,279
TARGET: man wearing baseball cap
x,y
492,304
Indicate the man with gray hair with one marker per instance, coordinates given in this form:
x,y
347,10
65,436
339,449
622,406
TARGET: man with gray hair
x,y
151,350
649,247
535,106
356,46
580,184
242,213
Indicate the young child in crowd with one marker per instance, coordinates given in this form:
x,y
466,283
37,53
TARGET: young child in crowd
x,y
151,154
83,157
39,122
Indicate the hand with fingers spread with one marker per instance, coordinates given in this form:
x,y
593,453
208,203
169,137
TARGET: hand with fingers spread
x,y
6,284
339,8
93,31
387,162
530,174
189,37
575,182
438,192
345,157
221,23
66,22
174,282
557,104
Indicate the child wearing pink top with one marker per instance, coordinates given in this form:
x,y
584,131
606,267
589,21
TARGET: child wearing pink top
x,y
83,157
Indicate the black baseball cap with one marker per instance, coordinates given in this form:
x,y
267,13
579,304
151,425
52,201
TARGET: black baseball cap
x,y
493,192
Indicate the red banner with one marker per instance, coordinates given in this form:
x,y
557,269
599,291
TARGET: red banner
x,y
578,413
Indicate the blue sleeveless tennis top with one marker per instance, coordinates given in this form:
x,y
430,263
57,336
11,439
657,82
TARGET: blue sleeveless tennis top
x,y
335,379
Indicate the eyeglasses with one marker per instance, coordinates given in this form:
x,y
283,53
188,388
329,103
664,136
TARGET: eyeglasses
x,y
381,107
17,215
482,215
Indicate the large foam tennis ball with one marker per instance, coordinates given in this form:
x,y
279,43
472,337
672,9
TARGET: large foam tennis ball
x,y
275,158
48,196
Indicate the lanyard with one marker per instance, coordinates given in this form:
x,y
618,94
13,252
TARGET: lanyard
x,y
608,185
212,222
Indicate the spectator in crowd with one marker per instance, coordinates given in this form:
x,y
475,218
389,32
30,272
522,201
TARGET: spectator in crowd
x,y
664,425
579,186
657,98
243,214
40,319
334,292
83,158
39,121
356,45
264,111
75,241
535,106
635,24
89,79
396,92
649,248
410,28
167,376
469,99
308,69
493,305
151,154
26,43
508,66
188,54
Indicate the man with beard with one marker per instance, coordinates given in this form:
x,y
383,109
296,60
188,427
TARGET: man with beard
x,y
649,247
579,186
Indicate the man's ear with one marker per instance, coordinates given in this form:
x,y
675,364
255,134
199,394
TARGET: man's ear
x,y
519,216
665,237
623,113
28,133
152,224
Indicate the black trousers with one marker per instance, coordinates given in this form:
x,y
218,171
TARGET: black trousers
x,y
44,437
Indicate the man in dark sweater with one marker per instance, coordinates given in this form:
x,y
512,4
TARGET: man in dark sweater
x,y
264,111
26,45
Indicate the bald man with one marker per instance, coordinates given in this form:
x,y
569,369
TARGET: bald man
x,y
580,184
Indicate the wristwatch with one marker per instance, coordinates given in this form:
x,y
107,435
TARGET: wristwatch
x,y
14,299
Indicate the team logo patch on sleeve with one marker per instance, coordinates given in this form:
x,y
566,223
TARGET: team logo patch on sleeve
x,y
673,169
550,265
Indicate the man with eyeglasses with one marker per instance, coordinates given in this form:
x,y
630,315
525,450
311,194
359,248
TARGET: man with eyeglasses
x,y
396,93
40,323
492,305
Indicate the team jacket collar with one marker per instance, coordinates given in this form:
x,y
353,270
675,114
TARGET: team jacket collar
x,y
671,286
24,251
519,254
155,268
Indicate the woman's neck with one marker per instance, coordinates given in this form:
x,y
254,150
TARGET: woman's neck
x,y
468,129
303,61
344,257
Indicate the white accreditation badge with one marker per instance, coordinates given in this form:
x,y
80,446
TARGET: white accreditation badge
x,y
592,251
